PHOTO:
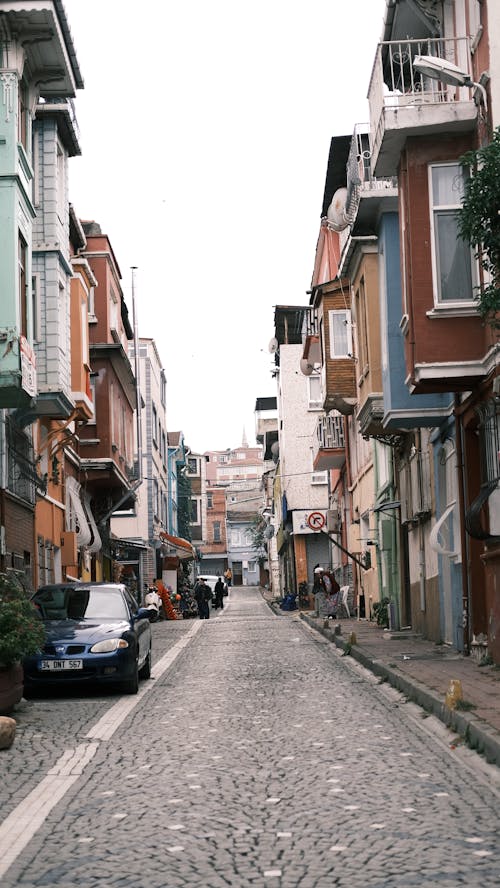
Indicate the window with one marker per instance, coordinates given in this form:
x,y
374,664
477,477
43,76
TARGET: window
x,y
113,316
319,478
92,420
154,422
35,307
193,467
163,388
23,307
453,267
196,510
252,567
210,501
156,499
22,115
217,535
91,299
315,401
362,326
61,184
37,170
340,333
84,333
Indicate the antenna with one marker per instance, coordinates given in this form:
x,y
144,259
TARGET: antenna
x,y
273,345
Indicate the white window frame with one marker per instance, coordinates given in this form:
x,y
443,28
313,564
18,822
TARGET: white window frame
x,y
312,402
336,317
35,307
196,508
434,209
319,477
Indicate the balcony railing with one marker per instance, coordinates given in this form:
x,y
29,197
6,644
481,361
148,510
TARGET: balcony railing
x,y
359,168
329,442
396,85
330,432
310,326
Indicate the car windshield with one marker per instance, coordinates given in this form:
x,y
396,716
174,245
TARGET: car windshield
x,y
81,604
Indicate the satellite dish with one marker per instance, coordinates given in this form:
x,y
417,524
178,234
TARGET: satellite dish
x,y
306,367
336,211
273,345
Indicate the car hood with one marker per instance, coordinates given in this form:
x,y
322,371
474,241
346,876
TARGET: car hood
x,y
83,631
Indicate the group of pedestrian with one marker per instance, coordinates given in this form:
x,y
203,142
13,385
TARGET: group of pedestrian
x,y
326,593
204,597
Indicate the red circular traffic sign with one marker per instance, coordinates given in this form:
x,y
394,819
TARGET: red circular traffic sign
x,y
316,520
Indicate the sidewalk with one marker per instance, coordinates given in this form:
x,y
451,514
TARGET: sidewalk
x,y
423,670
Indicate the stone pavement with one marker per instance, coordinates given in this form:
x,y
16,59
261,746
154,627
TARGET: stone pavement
x,y
423,670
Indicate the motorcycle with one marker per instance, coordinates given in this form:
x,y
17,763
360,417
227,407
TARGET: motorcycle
x,y
152,602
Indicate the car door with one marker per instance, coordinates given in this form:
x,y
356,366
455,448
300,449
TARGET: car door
x,y
142,627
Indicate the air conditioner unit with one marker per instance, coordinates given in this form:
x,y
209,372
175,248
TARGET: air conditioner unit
x,y
333,521
69,548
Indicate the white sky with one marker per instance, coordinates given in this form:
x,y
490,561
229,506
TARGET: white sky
x,y
205,131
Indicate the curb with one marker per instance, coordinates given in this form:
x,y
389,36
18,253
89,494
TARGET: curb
x,y
476,734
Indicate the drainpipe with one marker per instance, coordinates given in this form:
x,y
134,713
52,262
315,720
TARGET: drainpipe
x,y
463,537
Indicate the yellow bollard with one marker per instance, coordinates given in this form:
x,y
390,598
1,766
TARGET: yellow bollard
x,y
453,694
352,638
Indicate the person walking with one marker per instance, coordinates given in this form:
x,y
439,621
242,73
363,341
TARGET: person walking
x,y
228,576
219,593
202,595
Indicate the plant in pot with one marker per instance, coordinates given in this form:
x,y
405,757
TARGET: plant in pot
x,y
21,633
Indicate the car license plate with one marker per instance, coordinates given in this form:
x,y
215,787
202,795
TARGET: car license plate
x,y
60,665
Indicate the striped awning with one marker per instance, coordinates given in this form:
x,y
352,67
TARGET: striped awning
x,y
183,548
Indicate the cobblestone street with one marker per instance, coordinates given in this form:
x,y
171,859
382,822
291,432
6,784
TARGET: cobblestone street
x,y
259,756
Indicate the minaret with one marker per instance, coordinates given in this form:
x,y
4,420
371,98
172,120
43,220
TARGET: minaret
x,y
244,442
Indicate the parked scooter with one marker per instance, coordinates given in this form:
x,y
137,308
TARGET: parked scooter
x,y
152,602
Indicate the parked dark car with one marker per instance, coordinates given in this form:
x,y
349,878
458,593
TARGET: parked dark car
x,y
95,632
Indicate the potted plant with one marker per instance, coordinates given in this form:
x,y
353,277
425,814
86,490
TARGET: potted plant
x,y
21,633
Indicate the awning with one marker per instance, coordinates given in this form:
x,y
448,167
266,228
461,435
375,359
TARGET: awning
x,y
76,518
183,548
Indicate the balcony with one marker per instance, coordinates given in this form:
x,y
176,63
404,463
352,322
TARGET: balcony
x,y
310,335
329,443
64,109
405,103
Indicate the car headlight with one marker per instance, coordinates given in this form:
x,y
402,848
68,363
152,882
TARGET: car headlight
x,y
109,645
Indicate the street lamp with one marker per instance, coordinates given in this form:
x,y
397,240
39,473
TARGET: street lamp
x,y
441,69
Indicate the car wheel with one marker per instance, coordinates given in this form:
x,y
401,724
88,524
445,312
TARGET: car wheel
x,y
131,686
145,672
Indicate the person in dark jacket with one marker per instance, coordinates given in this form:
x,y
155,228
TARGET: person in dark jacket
x,y
219,593
202,595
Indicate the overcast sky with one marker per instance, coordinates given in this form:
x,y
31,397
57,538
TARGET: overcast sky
x,y
205,131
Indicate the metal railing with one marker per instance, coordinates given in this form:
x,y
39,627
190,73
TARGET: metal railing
x,y
396,84
330,432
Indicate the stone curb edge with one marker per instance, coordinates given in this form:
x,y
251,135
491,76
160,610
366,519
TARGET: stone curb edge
x,y
478,735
